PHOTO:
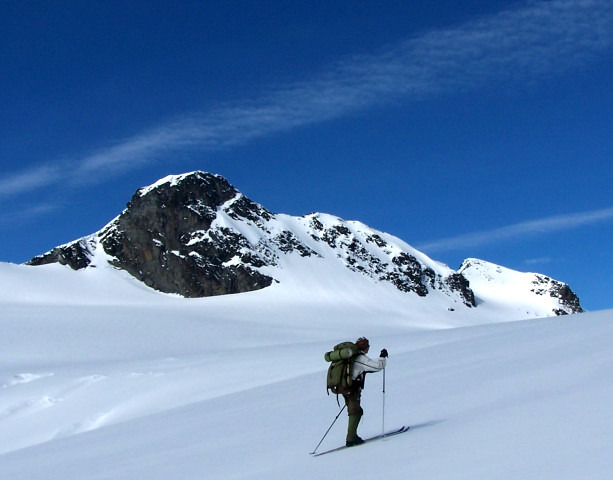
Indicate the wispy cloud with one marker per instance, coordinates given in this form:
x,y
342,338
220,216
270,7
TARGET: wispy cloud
x,y
537,261
30,179
27,214
524,229
520,45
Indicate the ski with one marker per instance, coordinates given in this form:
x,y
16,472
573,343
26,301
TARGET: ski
x,y
391,433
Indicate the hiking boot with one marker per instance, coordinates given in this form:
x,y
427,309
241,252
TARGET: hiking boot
x,y
352,430
354,442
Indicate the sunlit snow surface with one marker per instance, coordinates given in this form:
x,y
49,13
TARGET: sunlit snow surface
x,y
102,378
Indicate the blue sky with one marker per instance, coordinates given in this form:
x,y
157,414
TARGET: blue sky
x,y
466,128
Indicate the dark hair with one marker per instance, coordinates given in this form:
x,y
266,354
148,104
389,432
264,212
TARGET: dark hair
x,y
362,343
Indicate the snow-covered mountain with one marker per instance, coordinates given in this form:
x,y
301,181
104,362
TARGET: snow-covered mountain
x,y
196,235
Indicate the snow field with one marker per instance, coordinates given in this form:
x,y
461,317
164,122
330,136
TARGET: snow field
x,y
107,380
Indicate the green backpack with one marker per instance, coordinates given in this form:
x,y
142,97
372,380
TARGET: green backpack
x,y
339,372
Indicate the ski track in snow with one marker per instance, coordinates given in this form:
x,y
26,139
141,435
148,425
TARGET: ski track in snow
x,y
44,401
25,378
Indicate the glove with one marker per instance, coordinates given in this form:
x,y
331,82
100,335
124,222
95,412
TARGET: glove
x,y
383,353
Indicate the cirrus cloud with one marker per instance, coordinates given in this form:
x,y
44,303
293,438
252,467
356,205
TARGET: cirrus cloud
x,y
523,229
519,45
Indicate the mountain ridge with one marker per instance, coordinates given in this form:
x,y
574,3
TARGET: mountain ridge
x,y
196,235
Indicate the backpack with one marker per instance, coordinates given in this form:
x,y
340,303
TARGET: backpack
x,y
339,372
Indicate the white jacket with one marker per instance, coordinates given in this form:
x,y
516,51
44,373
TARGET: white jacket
x,y
363,364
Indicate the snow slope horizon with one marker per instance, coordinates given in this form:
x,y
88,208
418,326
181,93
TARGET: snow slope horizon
x,y
146,385
316,284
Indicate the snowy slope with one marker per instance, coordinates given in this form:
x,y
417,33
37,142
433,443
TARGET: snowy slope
x,y
101,378
525,294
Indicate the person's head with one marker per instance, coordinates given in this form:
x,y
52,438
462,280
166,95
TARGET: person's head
x,y
363,344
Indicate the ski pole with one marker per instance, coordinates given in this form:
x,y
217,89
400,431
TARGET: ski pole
x,y
383,421
329,428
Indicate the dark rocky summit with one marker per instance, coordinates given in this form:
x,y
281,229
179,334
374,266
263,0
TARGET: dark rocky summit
x,y
164,239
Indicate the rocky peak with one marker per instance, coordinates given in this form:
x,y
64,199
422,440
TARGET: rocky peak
x,y
157,238
164,237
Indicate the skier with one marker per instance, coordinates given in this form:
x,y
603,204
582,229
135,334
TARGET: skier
x,y
352,395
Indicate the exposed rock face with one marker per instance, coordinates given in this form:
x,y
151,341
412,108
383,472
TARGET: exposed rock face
x,y
156,239
76,255
164,239
365,251
569,301
196,235
458,283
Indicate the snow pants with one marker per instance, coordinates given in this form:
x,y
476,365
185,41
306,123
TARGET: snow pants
x,y
352,400
355,412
